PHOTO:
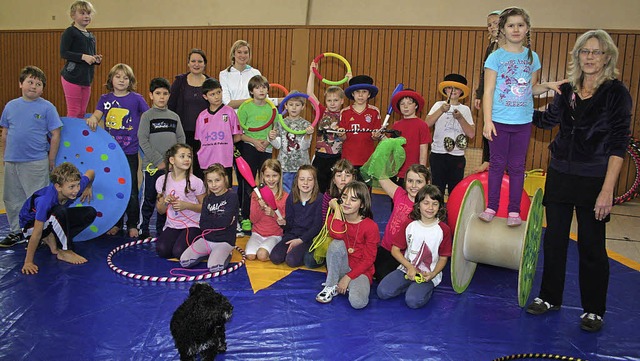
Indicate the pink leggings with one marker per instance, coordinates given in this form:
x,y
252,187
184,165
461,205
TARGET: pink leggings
x,y
77,97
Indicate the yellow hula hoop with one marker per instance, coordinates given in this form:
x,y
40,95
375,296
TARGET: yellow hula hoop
x,y
332,55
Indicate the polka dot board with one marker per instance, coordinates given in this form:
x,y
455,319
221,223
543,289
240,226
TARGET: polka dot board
x,y
112,186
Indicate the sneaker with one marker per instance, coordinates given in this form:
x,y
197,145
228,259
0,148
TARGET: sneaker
x,y
246,225
487,215
538,307
514,220
239,232
12,239
591,322
327,294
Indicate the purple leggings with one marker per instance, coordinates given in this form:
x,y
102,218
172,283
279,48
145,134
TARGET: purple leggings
x,y
77,97
508,150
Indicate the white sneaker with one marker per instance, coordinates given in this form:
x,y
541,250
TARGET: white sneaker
x,y
327,294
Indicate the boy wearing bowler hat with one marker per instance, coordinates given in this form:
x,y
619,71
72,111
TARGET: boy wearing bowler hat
x,y
408,103
358,146
453,126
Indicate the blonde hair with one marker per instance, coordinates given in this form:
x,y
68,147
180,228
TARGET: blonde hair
x,y
232,53
65,172
275,166
609,72
126,69
81,5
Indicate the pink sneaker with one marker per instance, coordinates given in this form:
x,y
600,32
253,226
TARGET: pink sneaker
x,y
487,215
514,219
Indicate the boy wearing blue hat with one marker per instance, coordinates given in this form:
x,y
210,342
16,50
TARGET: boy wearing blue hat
x,y
358,146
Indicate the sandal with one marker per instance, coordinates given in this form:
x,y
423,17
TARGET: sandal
x,y
327,294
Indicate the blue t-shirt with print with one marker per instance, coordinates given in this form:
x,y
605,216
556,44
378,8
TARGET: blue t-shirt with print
x,y
513,97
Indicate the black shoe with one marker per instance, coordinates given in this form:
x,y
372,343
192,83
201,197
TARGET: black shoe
x,y
591,322
538,307
12,239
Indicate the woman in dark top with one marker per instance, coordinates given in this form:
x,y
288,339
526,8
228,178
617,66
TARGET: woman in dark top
x,y
594,115
187,101
78,49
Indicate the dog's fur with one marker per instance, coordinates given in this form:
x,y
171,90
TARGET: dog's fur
x,y
197,326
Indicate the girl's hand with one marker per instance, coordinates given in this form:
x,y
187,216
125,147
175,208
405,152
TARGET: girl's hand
x,y
489,130
293,244
313,65
343,285
411,273
281,221
428,276
333,204
310,130
272,134
92,122
89,59
98,58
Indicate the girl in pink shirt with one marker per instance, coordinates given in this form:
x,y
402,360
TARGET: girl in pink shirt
x,y
266,231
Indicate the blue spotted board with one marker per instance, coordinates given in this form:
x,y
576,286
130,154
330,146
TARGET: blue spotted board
x,y
112,186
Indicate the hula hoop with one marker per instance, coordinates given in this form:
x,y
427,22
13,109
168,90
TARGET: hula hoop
x,y
327,81
634,150
135,276
537,355
274,112
278,86
316,111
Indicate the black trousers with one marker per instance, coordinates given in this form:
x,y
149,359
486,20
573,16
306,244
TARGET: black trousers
x,y
446,170
255,159
323,163
593,263
65,223
148,205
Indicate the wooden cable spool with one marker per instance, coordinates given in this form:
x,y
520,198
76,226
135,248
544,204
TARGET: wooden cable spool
x,y
494,243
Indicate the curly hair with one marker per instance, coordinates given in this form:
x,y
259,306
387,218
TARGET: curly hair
x,y
64,173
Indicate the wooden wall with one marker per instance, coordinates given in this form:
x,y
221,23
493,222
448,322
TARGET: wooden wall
x,y
418,57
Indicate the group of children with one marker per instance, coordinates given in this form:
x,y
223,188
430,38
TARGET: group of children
x,y
198,217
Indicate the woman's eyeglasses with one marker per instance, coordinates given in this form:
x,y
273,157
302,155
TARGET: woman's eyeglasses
x,y
586,52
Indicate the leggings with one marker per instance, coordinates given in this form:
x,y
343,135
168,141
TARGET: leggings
x,y
77,98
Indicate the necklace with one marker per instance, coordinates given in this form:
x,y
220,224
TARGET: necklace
x,y
350,248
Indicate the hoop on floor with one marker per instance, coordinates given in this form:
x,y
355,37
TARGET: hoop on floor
x,y
135,276
314,104
281,87
634,151
274,112
327,81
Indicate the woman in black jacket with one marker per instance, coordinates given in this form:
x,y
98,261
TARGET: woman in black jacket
x,y
594,115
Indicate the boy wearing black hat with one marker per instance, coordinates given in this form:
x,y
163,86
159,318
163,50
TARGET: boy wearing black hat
x,y
358,146
453,125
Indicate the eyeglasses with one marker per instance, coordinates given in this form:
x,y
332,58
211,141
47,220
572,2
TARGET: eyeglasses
x,y
586,52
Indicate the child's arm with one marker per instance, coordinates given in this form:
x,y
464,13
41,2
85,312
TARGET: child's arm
x,y
311,82
162,204
468,129
29,267
388,186
87,193
274,139
94,119
490,76
433,117
305,142
179,205
424,154
53,148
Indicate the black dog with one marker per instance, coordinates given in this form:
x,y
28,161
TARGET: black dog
x,y
197,326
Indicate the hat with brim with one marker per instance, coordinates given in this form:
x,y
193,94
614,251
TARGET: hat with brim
x,y
361,82
395,101
456,81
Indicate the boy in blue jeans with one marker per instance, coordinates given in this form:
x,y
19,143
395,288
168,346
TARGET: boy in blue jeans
x,y
46,215
28,157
